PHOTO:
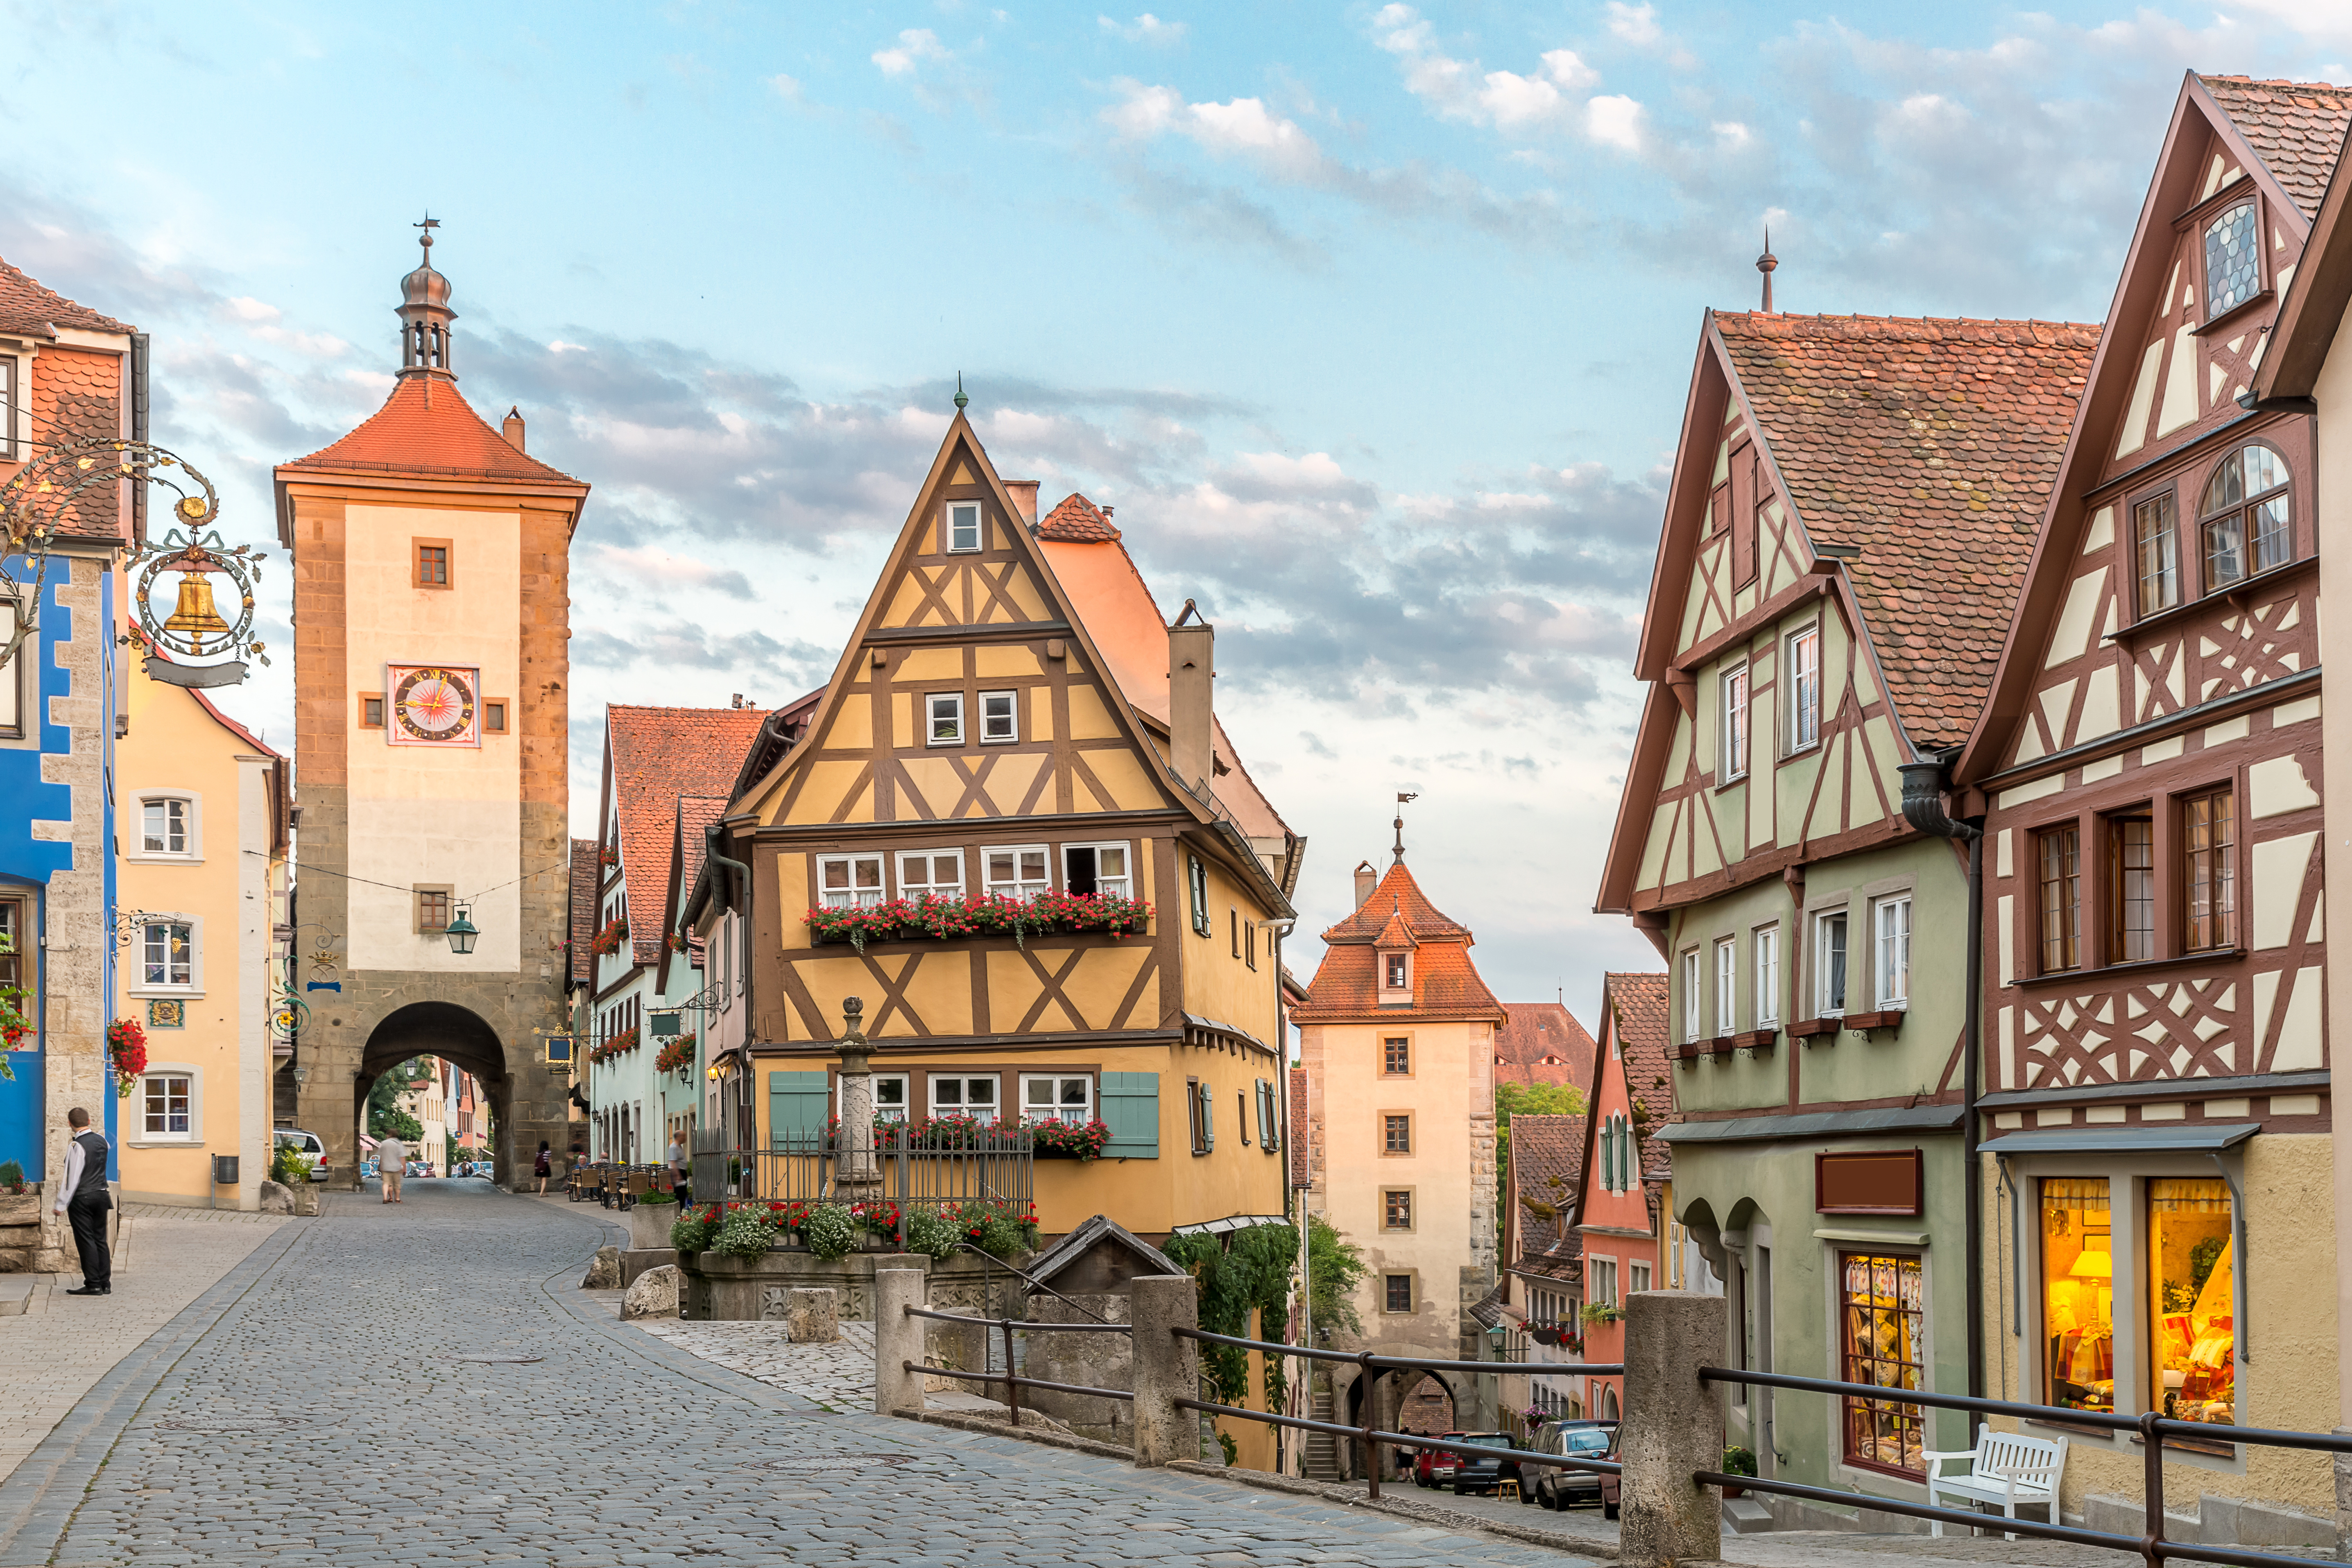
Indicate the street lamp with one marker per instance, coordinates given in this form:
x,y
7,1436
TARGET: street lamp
x,y
461,932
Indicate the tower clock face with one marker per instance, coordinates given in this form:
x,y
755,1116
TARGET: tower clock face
x,y
433,705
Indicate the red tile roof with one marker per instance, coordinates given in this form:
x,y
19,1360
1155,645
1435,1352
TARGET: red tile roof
x,y
658,756
586,875
695,815
1445,983
1547,1163
1541,1042
1076,522
31,310
1637,1012
1931,446
2296,128
427,427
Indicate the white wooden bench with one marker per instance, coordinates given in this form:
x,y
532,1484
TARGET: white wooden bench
x,y
2005,1467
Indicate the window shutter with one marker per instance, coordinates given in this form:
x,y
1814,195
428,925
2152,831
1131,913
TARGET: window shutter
x,y
797,1103
1208,1119
1130,1109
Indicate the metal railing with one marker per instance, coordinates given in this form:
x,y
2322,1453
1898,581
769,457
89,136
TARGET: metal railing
x,y
1374,1439
1014,1383
2151,1429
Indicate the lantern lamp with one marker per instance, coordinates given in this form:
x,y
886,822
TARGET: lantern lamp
x,y
461,932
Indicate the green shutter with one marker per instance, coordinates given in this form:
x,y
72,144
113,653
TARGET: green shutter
x,y
1130,1109
1208,1119
797,1106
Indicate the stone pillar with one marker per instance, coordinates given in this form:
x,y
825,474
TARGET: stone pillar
x,y
810,1315
1673,1426
897,1340
1166,1368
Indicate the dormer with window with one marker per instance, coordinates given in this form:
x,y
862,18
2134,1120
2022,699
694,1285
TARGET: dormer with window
x,y
1394,948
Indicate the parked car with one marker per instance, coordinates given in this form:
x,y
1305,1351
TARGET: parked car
x,y
1558,1489
307,1149
1609,1484
1475,1472
1427,1463
420,1167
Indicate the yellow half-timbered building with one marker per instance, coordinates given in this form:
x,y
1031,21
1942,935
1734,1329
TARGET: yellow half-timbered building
x,y
1013,829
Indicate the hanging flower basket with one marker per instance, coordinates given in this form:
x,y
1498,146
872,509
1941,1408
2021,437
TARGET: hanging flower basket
x,y
126,1053
609,940
626,1040
1545,1334
678,1053
1054,1140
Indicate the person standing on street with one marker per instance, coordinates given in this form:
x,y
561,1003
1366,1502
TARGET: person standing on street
x,y
391,1163
681,1167
542,1167
83,1199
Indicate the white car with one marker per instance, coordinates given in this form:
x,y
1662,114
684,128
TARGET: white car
x,y
307,1149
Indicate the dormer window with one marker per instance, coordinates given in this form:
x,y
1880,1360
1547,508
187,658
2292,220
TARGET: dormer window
x,y
1398,975
2232,259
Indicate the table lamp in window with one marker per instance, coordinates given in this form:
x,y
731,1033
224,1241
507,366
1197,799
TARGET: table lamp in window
x,y
2099,1265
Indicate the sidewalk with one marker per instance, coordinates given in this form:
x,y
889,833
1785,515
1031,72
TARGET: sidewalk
x,y
164,1259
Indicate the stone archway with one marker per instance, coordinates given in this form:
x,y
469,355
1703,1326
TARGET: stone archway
x,y
457,1035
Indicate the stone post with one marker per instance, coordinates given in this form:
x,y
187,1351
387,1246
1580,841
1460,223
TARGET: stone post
x,y
854,1173
897,1340
1166,1368
1673,1426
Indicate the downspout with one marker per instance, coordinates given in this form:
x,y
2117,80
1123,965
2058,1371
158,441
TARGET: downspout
x,y
1922,807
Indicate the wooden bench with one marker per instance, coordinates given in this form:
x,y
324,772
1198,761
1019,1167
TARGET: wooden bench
x,y
2006,1468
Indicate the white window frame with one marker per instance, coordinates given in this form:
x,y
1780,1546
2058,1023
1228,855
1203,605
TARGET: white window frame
x,y
1603,1275
897,1112
851,897
192,853
1059,1111
988,728
195,1109
1126,889
1691,1013
195,984
1637,1277
1017,886
963,1081
1803,665
1823,922
915,887
1726,986
1389,962
1890,930
956,513
1734,689
931,713
1767,967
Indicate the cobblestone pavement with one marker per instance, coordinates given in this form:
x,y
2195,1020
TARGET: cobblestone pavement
x,y
61,1346
835,1377
312,1407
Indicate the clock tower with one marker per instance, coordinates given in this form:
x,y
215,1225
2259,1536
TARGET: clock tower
x,y
432,561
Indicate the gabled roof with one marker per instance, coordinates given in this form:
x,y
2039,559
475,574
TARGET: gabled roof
x,y
1397,894
2296,128
691,847
1100,1230
1541,1042
1397,933
2316,301
1635,1010
1445,983
30,309
1078,520
656,757
427,427
1931,446
586,874
1547,1162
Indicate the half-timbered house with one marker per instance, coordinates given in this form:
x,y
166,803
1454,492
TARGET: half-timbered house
x,y
2155,1062
1849,513
1016,740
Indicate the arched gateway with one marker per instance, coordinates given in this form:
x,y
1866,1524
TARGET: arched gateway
x,y
431,608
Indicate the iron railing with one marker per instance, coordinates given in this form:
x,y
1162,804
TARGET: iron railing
x,y
1014,1383
2151,1429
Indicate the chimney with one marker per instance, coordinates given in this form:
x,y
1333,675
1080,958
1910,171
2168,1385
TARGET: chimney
x,y
511,428
1192,710
1366,879
1024,498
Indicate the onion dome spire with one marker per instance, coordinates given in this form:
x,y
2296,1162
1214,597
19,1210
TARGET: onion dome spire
x,y
424,314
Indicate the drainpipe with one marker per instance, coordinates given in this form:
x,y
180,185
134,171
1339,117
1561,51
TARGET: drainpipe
x,y
1922,807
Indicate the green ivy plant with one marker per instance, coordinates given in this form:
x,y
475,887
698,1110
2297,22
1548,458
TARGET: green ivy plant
x,y
1251,1274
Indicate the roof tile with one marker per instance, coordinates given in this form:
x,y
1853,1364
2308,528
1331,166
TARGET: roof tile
x,y
2298,129
33,311
661,756
1541,1042
1078,520
427,427
1547,1163
1445,983
1638,1011
585,876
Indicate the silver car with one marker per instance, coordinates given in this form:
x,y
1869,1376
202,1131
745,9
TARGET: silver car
x,y
1558,1489
307,1149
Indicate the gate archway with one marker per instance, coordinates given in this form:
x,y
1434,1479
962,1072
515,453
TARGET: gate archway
x,y
457,1035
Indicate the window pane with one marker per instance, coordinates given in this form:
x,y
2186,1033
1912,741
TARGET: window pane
x,y
2271,545
1396,1056
947,718
980,1092
2078,1292
1894,952
2207,835
1884,1311
2232,259
1397,1210
1397,1137
2159,554
152,835
1832,964
1767,977
2191,1307
1805,680
2131,860
2061,855
1399,1293
2225,550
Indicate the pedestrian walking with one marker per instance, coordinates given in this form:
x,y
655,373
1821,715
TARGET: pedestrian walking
x,y
681,1168
543,1166
391,1163
83,1199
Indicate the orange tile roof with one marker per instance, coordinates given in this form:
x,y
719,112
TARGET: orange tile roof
x,y
695,815
1541,1042
1078,520
659,756
1932,446
427,427
32,311
2296,128
1546,1165
586,875
1446,983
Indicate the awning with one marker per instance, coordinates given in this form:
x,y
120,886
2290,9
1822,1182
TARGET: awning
x,y
1231,1223
1816,1125
2209,1139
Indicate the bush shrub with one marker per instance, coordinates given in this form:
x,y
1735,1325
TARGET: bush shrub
x,y
694,1228
931,1232
745,1233
830,1230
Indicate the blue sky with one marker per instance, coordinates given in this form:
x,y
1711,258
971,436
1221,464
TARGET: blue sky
x,y
1373,321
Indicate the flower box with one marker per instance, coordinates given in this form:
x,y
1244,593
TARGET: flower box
x,y
936,917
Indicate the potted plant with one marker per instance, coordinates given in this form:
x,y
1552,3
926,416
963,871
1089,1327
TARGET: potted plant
x,y
1737,1461
650,1221
1593,1314
20,1200
1545,1333
1055,1139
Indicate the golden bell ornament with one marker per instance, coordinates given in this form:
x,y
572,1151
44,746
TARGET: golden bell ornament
x,y
195,613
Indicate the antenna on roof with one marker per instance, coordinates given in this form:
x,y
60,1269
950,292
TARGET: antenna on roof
x,y
960,398
1402,799
1765,264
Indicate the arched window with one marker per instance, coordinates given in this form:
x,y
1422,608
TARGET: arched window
x,y
2244,517
2232,265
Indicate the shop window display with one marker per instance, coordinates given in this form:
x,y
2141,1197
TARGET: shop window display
x,y
2192,1307
2078,1290
1885,1309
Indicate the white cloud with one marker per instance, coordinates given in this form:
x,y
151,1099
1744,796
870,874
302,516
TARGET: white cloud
x,y
914,44
1145,29
1615,121
652,563
1242,126
244,308
1634,25
1458,90
785,87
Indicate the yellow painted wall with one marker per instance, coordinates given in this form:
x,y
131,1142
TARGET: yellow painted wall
x,y
1217,985
174,746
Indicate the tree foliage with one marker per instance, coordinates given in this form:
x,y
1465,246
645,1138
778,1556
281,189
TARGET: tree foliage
x,y
1249,1271
1524,1099
1334,1268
